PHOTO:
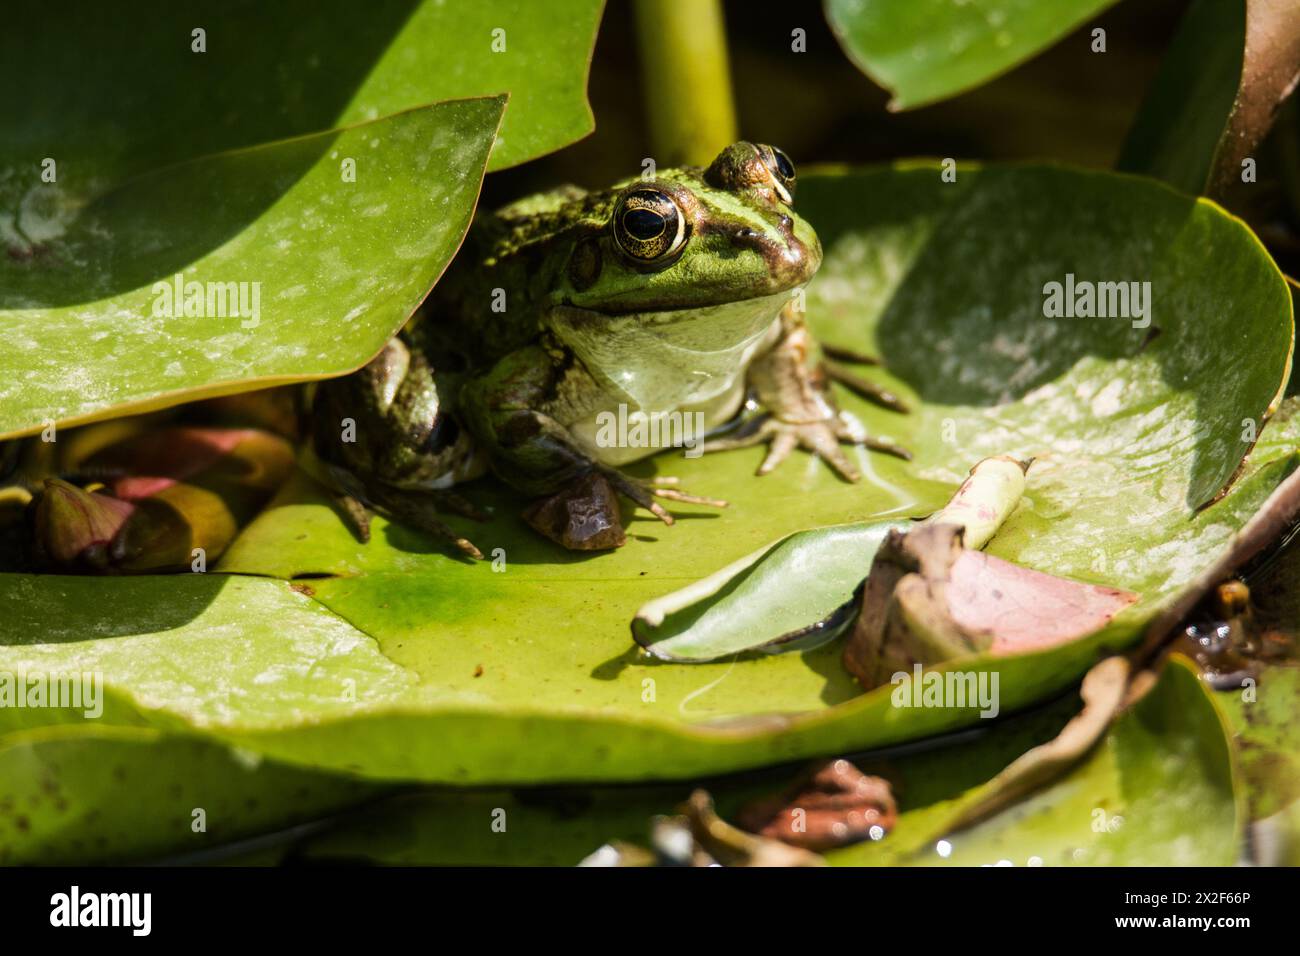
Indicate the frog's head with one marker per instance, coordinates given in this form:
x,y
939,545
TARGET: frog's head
x,y
692,239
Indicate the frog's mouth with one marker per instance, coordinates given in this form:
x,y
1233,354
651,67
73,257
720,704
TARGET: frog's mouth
x,y
704,327
662,360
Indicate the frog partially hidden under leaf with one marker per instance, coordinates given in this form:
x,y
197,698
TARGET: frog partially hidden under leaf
x,y
671,295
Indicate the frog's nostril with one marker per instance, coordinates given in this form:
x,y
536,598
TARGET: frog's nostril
x,y
746,238
786,223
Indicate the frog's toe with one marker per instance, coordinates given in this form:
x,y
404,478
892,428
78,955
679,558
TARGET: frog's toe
x,y
822,438
849,429
863,387
355,515
644,493
676,494
419,512
889,448
783,442
636,492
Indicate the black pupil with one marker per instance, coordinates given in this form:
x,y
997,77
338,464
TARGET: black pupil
x,y
643,223
783,164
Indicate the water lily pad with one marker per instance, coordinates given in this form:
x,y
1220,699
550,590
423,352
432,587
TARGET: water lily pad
x,y
113,93
923,51
150,143
63,795
561,825
1158,791
521,669
259,266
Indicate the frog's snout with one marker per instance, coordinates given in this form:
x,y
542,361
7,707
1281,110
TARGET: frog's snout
x,y
790,259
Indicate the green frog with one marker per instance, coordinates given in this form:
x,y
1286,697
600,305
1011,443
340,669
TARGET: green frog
x,y
671,295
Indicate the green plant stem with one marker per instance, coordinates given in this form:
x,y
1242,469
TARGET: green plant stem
x,y
686,79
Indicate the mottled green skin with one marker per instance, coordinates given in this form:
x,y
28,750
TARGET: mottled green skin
x,y
503,374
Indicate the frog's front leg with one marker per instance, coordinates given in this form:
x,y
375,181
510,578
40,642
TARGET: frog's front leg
x,y
511,410
800,411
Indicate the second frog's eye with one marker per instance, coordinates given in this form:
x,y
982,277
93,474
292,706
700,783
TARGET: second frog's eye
x,y
782,170
647,225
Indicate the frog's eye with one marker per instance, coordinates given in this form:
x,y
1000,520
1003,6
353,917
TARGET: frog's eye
x,y
782,170
648,226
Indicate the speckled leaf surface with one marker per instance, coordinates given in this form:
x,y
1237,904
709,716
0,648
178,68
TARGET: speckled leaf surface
x,y
523,670
1128,803
561,826
98,794
329,267
113,92
923,51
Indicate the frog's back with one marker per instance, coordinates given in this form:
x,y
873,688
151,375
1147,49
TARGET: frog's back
x,y
490,300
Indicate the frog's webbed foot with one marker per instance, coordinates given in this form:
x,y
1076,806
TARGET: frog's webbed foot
x,y
822,438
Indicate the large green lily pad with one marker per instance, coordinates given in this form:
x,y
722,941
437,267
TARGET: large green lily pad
x,y
1127,803
523,670
62,795
185,140
113,92
64,785
562,825
923,51
90,319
